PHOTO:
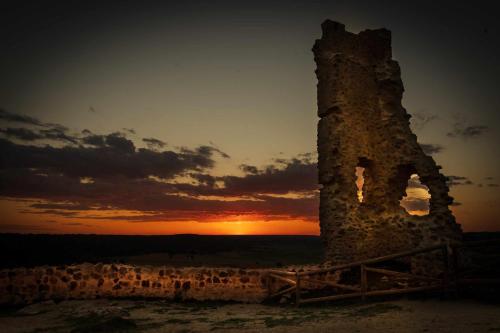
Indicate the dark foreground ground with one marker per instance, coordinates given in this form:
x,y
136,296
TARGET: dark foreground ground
x,y
475,310
177,250
431,315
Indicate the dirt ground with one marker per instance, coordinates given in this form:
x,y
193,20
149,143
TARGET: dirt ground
x,y
162,316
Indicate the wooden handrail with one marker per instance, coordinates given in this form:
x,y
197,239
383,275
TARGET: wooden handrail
x,y
275,271
290,281
396,273
368,293
284,291
448,279
384,258
333,284
374,260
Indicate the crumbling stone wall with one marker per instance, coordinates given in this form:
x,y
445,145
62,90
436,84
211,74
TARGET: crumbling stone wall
x,y
364,124
88,281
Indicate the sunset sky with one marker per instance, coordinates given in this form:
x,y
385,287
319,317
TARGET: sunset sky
x,y
200,116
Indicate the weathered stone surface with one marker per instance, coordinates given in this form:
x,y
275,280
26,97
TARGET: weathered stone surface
x,y
18,286
362,123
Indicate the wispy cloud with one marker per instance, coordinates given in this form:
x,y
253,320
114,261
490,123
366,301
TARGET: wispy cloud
x,y
421,119
431,149
458,180
462,129
153,143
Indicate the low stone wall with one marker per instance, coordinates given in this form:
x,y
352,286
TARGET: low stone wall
x,y
87,281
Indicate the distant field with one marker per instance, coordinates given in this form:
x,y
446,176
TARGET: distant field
x,y
175,250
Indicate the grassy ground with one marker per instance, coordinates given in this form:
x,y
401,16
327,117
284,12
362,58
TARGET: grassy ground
x,y
162,316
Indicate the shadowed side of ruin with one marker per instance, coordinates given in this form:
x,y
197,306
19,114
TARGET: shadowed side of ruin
x,y
363,124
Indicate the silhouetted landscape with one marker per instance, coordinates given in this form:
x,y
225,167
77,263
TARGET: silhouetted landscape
x,y
178,250
175,250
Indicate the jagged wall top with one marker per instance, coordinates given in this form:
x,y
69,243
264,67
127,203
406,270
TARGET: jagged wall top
x,y
370,46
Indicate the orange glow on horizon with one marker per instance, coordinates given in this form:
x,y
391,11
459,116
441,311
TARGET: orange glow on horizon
x,y
230,224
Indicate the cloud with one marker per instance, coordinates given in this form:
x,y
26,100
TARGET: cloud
x,y
415,204
21,134
114,140
129,130
257,194
431,149
118,157
153,143
58,133
296,175
461,130
421,119
293,175
10,117
458,180
249,169
37,130
415,183
119,143
77,224
91,174
26,134
156,200
62,205
94,140
22,228
16,118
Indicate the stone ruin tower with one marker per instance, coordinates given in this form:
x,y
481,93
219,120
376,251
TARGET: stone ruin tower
x,y
363,124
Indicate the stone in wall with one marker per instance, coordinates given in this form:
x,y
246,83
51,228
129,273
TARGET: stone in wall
x,y
363,124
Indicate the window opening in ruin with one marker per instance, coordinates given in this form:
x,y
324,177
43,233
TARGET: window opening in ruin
x,y
416,201
360,181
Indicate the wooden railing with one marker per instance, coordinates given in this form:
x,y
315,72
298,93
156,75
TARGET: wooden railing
x,y
297,282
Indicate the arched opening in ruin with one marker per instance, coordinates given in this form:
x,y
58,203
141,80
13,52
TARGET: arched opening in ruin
x,y
360,181
363,164
416,200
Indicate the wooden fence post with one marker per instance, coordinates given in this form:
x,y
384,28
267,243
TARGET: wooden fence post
x,y
451,264
446,273
364,282
297,290
268,285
